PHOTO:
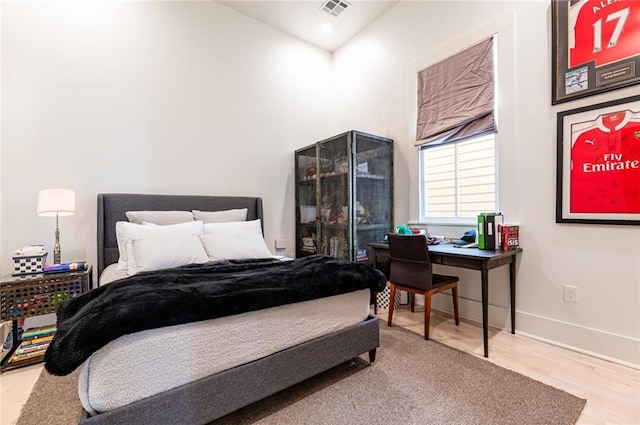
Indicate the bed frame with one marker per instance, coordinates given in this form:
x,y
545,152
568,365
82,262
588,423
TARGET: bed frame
x,y
215,396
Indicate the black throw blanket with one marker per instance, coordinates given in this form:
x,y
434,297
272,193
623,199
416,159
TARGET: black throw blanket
x,y
192,293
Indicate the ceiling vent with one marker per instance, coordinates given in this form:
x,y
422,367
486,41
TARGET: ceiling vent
x,y
334,7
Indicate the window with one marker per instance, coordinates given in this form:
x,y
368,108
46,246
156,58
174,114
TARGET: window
x,y
456,135
458,180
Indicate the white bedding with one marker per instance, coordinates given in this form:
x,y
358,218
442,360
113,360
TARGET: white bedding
x,y
111,273
140,365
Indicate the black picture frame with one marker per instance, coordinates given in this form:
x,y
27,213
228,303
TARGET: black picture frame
x,y
587,73
579,180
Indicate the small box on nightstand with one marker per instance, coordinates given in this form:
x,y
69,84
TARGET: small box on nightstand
x,y
28,264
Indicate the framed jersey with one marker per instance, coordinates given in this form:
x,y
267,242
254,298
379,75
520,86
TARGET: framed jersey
x,y
595,47
598,163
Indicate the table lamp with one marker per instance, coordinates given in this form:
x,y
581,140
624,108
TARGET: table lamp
x,y
56,202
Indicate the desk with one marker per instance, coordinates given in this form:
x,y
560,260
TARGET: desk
x,y
469,258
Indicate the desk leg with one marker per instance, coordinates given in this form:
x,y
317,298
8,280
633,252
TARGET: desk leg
x,y
485,311
512,281
373,293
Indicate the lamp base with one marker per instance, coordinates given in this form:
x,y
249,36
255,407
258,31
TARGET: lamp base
x,y
56,254
56,246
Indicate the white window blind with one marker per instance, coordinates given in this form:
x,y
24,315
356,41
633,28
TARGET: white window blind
x,y
459,179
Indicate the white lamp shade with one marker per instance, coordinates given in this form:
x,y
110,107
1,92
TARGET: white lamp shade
x,y
56,201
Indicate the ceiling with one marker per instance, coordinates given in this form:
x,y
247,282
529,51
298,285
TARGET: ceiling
x,y
305,19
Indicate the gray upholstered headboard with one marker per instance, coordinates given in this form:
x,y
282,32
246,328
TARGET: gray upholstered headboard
x,y
113,206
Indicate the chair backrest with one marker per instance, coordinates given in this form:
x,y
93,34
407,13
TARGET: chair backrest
x,y
410,263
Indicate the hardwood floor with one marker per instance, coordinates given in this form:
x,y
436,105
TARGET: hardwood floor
x,y
612,391
15,387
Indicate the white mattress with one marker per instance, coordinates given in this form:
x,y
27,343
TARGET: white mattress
x,y
140,365
111,273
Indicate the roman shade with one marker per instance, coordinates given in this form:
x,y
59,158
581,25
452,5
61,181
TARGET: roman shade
x,y
456,97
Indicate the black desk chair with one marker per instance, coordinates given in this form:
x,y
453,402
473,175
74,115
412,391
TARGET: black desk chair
x,y
411,271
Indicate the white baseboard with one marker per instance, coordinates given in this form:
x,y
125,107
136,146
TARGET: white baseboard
x,y
594,342
608,346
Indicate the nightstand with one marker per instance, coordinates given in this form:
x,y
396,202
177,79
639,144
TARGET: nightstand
x,y
36,295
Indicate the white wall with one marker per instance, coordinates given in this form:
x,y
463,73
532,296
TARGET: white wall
x,y
150,97
374,91
1,208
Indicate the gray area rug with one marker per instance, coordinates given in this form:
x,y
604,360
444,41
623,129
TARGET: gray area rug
x,y
413,382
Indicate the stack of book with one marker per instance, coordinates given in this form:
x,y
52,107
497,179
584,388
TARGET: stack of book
x,y
494,234
34,343
65,267
337,246
309,245
489,225
361,254
334,246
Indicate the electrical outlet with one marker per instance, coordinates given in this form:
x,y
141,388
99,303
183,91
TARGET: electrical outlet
x,y
280,243
571,293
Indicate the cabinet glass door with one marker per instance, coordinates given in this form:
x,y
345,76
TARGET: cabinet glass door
x,y
372,192
334,190
306,195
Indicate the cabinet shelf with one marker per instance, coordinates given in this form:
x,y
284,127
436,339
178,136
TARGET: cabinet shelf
x,y
339,181
370,176
366,227
313,179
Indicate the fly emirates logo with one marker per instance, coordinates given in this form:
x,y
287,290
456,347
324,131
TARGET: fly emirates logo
x,y
611,162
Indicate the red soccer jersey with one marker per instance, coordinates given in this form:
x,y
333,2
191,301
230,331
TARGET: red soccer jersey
x,y
603,31
605,166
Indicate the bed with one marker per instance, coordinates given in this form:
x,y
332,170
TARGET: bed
x,y
321,337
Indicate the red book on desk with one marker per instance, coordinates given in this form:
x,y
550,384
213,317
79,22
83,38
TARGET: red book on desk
x,y
510,236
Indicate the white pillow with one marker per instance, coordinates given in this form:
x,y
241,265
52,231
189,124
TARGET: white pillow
x,y
225,216
234,228
159,217
235,246
126,231
164,251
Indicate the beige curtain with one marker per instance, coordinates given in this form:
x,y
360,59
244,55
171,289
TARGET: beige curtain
x,y
455,97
